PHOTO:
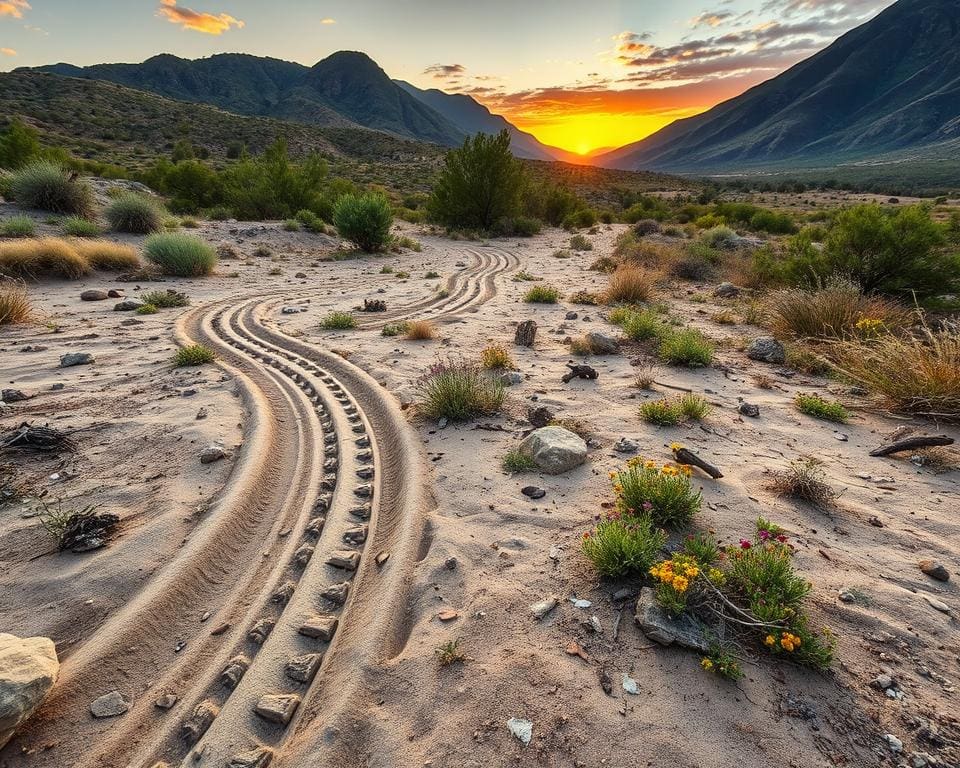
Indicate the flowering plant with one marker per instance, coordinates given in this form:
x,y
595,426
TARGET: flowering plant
x,y
662,491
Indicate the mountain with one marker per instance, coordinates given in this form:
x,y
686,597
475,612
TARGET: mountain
x,y
472,117
889,85
345,89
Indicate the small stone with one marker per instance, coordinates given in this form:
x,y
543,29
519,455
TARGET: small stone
x,y
882,682
571,315
347,559
109,705
261,630
521,729
381,558
937,604
626,445
302,556
201,414
212,453
355,535
601,344
201,719
896,746
542,608
321,627
726,291
555,450
258,757
94,294
115,293
277,708
75,358
304,668
13,396
284,593
748,409
336,593
166,701
685,630
234,671
533,491
293,310
767,349
526,333
511,378
127,305
630,685
541,416
935,570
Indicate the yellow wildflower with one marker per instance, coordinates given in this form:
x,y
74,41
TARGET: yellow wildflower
x,y
769,640
706,664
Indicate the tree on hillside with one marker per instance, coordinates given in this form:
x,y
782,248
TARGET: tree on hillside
x,y
18,145
479,185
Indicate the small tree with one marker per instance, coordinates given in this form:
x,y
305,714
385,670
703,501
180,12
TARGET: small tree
x,y
479,185
364,220
18,145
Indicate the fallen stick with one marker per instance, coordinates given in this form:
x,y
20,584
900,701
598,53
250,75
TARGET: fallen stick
x,y
579,372
911,443
686,456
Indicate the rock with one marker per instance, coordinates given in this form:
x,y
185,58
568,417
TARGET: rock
x,y
115,293
554,449
75,358
28,670
127,305
166,701
656,624
201,719
896,746
235,670
937,604
935,570
131,321
321,627
258,757
542,608
13,396
511,378
293,310
626,445
540,416
601,344
261,630
109,705
277,708
533,491
521,729
94,294
526,333
748,409
883,682
304,668
347,559
726,291
571,315
767,349
212,453
336,593
630,685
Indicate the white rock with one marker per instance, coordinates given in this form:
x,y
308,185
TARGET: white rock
x,y
630,685
554,449
28,670
109,705
522,729
541,609
893,742
578,603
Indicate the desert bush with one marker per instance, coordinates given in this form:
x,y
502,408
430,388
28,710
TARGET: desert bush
x,y
693,267
542,294
640,325
135,214
193,354
364,220
803,479
19,145
623,545
420,330
582,218
147,309
630,285
342,321
646,227
816,406
310,221
108,256
516,460
220,213
496,357
480,184
580,243
772,222
912,374
605,264
686,347
663,492
75,226
458,390
15,307
180,255
394,329
167,299
46,257
674,410
17,226
47,186
719,237
291,225
588,298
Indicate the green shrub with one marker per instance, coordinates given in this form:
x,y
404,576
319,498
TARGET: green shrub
x,y
167,299
623,545
515,460
220,213
774,223
291,225
194,354
662,492
364,220
542,294
583,218
76,226
180,255
147,309
19,145
641,325
17,226
580,243
310,221
816,406
338,321
719,237
395,329
672,411
458,391
135,214
47,186
686,347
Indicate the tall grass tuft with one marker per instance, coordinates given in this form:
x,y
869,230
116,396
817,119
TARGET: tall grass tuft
x,y
135,214
45,257
630,285
47,186
109,256
17,226
458,390
420,330
180,255
686,347
77,226
542,294
15,307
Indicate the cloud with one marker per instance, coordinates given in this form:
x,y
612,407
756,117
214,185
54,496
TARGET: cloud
x,y
8,52
14,8
710,19
208,23
445,71
328,21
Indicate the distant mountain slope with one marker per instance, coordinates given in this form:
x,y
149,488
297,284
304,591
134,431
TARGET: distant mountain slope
x,y
345,89
890,84
472,117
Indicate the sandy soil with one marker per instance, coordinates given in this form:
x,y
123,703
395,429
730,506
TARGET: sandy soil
x,y
309,415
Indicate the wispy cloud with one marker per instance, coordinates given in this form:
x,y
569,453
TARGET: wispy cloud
x,y
710,19
445,71
208,23
14,8
8,52
328,21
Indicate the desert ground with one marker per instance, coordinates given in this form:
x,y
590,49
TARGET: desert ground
x,y
323,424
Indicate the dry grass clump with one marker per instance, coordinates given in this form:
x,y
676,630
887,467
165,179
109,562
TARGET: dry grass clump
x,y
15,305
803,479
496,357
103,254
44,257
913,374
630,285
938,459
420,330
838,310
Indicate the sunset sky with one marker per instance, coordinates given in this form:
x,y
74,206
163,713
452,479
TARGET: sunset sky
x,y
579,75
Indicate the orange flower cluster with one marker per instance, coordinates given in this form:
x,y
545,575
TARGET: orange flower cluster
x,y
789,642
679,573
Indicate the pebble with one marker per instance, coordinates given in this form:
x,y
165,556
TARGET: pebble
x,y
935,570
109,705
542,608
533,491
937,604
211,454
626,445
896,746
127,305
748,409
277,708
630,685
94,294
75,358
521,729
166,701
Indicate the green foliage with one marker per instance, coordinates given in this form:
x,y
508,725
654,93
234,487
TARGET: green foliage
x,y
515,460
580,243
458,390
450,653
19,145
75,226
47,186
582,218
338,321
623,545
193,354
191,185
135,214
180,255
718,237
17,226
147,309
542,294
672,411
364,220
721,661
662,492
639,325
291,225
480,184
166,299
686,347
551,203
395,329
774,223
816,406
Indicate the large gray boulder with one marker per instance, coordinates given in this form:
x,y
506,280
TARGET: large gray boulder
x,y
767,349
554,449
28,670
